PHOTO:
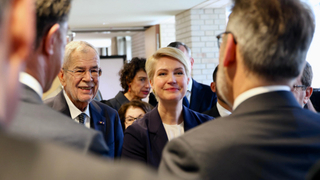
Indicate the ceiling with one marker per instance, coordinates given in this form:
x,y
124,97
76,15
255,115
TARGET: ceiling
x,y
125,17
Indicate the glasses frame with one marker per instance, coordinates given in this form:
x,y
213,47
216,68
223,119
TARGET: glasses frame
x,y
134,119
296,87
219,36
73,71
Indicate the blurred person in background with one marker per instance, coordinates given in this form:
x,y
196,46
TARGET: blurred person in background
x,y
134,81
131,111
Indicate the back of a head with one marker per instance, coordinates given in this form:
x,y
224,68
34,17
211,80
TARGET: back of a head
x,y
50,12
307,75
273,36
177,44
214,75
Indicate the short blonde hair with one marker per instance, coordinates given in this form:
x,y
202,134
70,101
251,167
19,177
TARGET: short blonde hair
x,y
75,45
170,52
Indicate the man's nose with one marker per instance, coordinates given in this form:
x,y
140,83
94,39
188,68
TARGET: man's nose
x,y
87,76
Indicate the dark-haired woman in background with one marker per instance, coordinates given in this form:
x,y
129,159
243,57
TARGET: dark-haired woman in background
x,y
132,111
134,81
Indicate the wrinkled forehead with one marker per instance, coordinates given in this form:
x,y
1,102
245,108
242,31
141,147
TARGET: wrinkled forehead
x,y
85,58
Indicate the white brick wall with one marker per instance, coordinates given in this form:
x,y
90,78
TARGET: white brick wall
x,y
138,45
167,34
197,28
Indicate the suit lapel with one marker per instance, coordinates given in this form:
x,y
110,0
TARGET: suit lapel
x,y
185,101
97,119
158,135
60,104
189,120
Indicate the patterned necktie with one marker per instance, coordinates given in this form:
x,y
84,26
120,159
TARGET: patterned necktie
x,y
81,118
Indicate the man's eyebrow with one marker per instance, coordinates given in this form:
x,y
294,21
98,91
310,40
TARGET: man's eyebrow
x,y
81,67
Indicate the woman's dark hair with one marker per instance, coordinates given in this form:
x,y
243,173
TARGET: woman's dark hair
x,y
129,71
146,107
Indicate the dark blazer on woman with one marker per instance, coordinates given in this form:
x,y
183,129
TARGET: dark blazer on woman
x,y
145,139
117,101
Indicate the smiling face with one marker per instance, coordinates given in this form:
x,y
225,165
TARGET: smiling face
x,y
81,89
140,86
170,80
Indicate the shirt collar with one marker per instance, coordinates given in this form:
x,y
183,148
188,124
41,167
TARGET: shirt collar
x,y
222,111
255,91
190,85
74,111
30,81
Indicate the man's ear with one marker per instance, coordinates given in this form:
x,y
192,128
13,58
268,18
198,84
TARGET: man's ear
x,y
50,39
213,87
230,51
309,91
21,29
61,77
192,62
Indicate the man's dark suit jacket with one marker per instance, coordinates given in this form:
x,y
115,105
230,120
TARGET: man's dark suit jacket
x,y
201,99
35,120
268,136
103,118
213,112
117,101
145,139
30,160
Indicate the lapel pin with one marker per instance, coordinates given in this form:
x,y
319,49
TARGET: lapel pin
x,y
101,122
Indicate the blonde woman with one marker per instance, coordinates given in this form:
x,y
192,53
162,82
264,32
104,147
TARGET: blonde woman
x,y
169,73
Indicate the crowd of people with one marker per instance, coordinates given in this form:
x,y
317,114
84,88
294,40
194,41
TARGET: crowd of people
x,y
255,120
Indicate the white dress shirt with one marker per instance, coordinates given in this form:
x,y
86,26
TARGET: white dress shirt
x,y
174,131
256,91
75,112
30,81
222,111
188,93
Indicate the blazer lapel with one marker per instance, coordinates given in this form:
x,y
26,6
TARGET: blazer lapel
x,y
185,101
189,120
60,104
97,119
158,136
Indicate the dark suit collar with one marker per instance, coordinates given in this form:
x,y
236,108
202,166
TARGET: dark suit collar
x,y
271,100
29,95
